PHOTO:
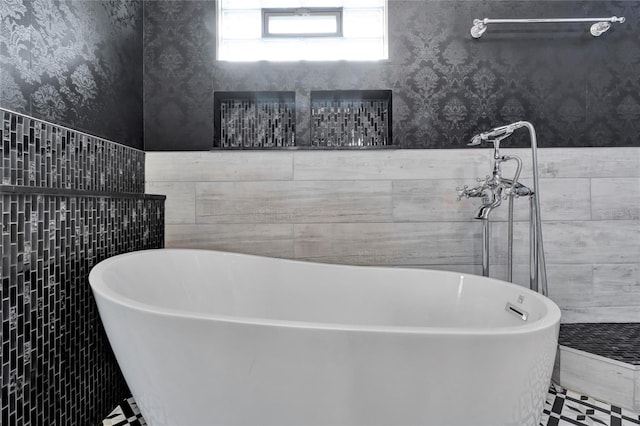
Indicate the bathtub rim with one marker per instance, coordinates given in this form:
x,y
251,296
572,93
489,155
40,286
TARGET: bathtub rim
x,y
100,287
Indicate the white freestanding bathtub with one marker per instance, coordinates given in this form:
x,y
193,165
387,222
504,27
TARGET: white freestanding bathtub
x,y
212,338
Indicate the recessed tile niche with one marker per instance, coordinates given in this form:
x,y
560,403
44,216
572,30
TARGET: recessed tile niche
x,y
254,120
339,119
351,119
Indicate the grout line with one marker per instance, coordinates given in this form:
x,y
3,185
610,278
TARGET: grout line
x,y
591,198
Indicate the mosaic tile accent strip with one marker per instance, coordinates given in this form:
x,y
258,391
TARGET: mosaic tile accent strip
x,y
36,153
562,408
351,119
255,120
57,366
618,341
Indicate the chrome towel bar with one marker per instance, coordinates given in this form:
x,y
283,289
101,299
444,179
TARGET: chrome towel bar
x,y
598,28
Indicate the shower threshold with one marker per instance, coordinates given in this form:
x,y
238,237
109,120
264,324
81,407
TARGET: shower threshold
x,y
601,360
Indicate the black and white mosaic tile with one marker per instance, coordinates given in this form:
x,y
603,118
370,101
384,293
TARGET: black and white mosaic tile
x,y
57,366
36,153
562,408
126,413
67,201
618,341
565,407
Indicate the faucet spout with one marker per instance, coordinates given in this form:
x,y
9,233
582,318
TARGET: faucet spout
x,y
485,210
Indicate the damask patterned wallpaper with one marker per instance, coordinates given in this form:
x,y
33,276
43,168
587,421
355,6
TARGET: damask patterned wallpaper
x,y
179,52
76,63
577,90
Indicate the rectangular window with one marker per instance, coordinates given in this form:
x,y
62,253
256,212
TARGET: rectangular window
x,y
302,22
294,30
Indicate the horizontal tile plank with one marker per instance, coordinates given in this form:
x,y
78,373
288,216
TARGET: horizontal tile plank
x,y
569,285
436,200
389,243
601,314
180,206
560,199
391,164
293,202
431,200
573,242
617,285
274,240
583,162
615,198
208,166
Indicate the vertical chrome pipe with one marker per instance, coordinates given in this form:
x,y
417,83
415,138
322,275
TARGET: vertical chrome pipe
x,y
541,259
516,177
533,245
485,247
536,200
510,240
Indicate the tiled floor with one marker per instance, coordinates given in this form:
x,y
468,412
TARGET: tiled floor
x,y
127,413
562,408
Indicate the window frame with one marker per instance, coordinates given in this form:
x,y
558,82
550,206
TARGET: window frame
x,y
223,53
302,11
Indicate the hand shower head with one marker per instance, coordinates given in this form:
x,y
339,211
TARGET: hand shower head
x,y
495,135
498,132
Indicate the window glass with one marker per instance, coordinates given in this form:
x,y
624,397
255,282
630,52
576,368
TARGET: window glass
x,y
358,33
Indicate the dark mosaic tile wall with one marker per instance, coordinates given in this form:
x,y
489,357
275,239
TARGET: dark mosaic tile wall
x,y
57,365
40,154
578,90
74,62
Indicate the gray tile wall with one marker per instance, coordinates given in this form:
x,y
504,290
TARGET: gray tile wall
x,y
399,208
67,201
